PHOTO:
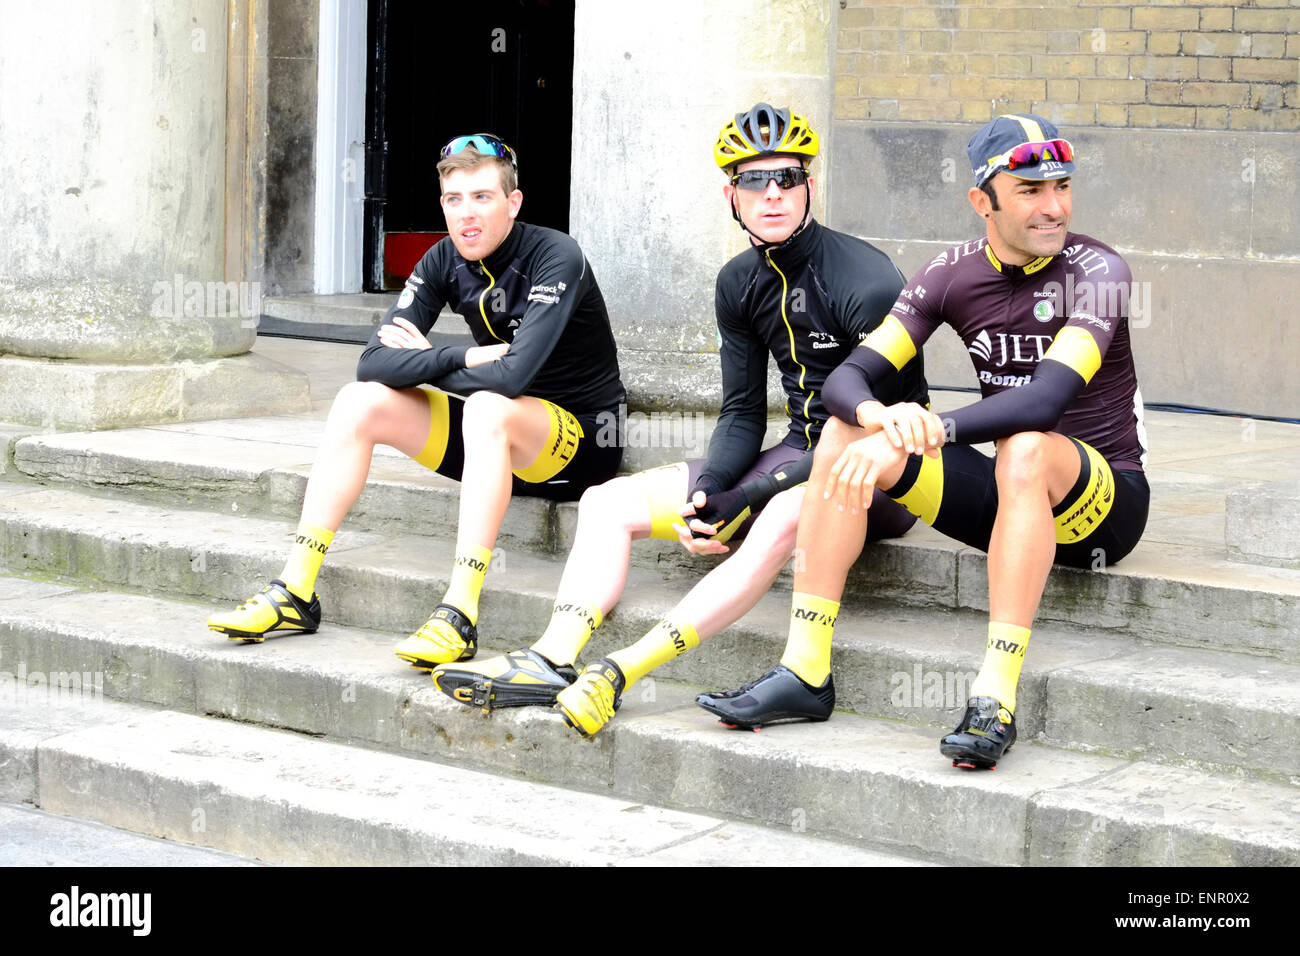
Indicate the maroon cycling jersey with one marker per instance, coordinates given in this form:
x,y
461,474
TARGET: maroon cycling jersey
x,y
1049,341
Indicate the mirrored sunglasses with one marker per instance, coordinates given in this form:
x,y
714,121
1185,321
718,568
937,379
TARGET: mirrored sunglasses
x,y
756,180
485,143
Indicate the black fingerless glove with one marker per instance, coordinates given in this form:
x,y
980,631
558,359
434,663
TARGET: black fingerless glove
x,y
728,510
725,511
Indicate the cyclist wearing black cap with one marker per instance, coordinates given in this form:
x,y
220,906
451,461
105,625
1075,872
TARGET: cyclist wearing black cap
x,y
1044,316
540,381
804,295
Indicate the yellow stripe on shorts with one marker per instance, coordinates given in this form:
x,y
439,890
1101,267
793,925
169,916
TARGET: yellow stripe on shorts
x,y
439,418
665,499
926,494
561,445
1085,514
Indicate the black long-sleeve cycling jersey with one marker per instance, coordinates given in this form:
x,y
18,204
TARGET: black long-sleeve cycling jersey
x,y
808,305
535,292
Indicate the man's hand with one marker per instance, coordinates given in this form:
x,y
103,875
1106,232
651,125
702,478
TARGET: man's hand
x,y
482,354
704,545
852,479
402,335
908,426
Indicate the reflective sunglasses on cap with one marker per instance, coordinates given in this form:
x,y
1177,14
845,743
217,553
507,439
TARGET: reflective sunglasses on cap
x,y
1031,154
756,180
485,143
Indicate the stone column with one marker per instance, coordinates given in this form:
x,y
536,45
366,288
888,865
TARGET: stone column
x,y
651,93
114,305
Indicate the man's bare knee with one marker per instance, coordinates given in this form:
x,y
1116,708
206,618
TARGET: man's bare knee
x,y
486,415
777,526
361,408
487,408
615,503
835,437
1022,461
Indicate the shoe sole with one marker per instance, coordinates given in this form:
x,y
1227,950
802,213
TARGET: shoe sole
x,y
572,722
489,693
425,664
251,637
782,716
733,724
964,759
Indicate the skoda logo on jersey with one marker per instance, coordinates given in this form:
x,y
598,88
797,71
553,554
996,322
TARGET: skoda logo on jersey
x,y
1043,311
406,298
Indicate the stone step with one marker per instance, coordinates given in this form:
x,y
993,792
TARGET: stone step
x,y
31,837
1211,710
877,785
287,798
1164,594
1180,593
346,318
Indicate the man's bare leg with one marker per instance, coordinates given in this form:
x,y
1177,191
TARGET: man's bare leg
x,y
363,415
610,517
1034,472
500,434
847,466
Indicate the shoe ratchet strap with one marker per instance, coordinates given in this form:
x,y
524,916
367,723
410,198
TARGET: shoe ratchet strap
x,y
459,622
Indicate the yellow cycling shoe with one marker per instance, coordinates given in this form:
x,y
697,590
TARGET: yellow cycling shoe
x,y
591,702
516,679
275,608
446,637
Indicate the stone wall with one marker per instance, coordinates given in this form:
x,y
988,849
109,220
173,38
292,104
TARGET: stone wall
x,y
1194,64
1199,188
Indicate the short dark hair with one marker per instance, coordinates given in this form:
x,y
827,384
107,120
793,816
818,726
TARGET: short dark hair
x,y
987,189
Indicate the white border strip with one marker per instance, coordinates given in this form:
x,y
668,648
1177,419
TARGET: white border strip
x,y
340,146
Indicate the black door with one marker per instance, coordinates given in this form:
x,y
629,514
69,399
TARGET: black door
x,y
439,70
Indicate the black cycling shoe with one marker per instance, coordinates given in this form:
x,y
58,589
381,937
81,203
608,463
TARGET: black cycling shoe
x,y
778,695
985,733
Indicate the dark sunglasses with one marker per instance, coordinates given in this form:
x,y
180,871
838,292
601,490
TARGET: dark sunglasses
x,y
485,143
756,180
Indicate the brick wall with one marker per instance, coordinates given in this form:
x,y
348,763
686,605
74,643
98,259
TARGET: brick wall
x,y
1192,64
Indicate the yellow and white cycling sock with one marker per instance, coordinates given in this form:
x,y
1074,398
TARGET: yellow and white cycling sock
x,y
1004,655
305,557
570,628
808,648
662,643
467,580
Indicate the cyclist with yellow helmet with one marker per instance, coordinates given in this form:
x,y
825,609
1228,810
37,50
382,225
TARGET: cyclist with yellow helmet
x,y
806,296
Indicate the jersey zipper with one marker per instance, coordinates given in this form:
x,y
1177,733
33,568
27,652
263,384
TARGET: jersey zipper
x,y
807,428
483,312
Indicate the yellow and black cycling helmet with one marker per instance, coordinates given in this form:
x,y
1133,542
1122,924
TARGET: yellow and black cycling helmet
x,y
764,131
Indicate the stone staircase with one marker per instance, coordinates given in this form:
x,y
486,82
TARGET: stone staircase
x,y
1157,711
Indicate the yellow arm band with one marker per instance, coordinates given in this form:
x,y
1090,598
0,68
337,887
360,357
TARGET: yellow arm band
x,y
891,340
1076,348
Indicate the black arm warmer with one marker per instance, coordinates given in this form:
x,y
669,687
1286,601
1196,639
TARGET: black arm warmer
x,y
1034,407
850,384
